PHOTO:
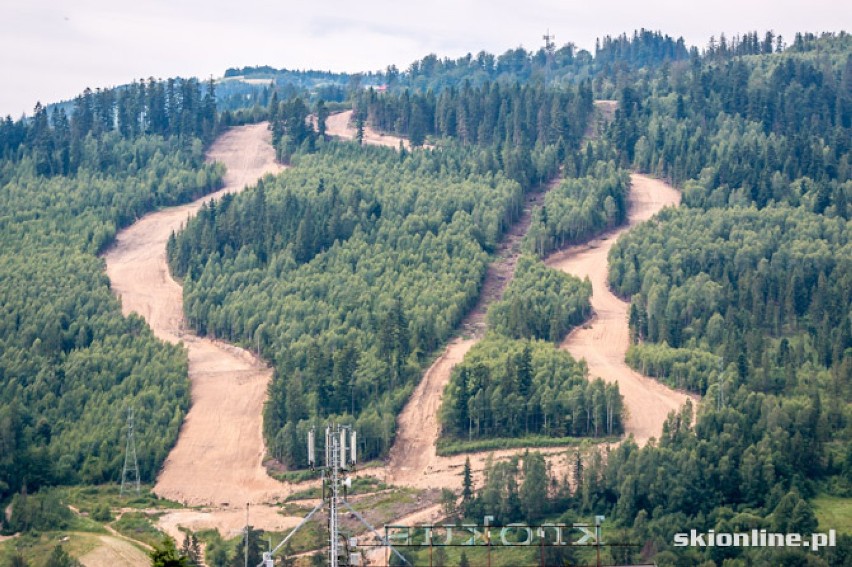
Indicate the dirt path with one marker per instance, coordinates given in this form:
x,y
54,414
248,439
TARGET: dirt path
x,y
414,459
115,533
603,116
502,269
217,458
217,461
114,551
604,340
413,454
338,125
228,522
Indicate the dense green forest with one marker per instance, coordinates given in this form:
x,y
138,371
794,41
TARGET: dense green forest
x,y
511,388
526,128
347,271
71,365
744,295
768,291
350,270
743,130
540,303
291,130
591,201
520,115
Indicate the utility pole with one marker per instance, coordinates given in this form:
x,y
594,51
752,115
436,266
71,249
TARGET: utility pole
x,y
131,464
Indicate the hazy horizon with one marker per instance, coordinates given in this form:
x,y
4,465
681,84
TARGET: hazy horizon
x,y
54,50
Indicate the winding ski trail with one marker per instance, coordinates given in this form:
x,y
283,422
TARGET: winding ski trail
x,y
603,340
217,461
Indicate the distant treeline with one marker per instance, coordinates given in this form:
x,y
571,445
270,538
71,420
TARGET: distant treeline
x,y
55,142
519,115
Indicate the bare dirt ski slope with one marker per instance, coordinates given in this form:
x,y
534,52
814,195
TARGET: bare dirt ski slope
x,y
217,461
603,341
217,458
339,125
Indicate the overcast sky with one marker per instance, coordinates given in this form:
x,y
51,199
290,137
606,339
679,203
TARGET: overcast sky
x,y
52,49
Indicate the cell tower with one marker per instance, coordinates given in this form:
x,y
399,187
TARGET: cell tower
x,y
549,53
341,443
549,44
131,464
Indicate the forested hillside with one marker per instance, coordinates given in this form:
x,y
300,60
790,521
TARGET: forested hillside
x,y
748,130
355,266
350,270
347,271
71,366
540,303
766,291
590,200
743,296
518,115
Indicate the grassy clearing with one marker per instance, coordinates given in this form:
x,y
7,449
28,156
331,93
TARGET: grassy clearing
x,y
381,508
360,485
296,476
35,547
448,447
140,527
313,535
92,499
833,513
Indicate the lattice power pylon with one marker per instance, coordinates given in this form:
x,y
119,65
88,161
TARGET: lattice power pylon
x,y
130,473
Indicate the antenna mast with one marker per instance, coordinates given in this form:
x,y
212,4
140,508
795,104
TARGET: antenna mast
x,y
549,52
341,455
131,465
